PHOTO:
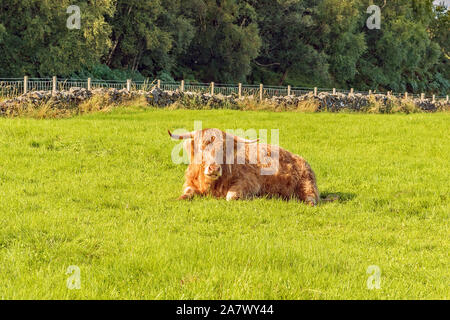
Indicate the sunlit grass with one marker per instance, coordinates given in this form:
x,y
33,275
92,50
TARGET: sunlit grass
x,y
99,192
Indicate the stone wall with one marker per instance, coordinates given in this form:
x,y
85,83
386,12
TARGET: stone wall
x,y
156,97
325,101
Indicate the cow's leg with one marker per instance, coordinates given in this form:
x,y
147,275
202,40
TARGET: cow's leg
x,y
188,193
242,190
233,194
307,191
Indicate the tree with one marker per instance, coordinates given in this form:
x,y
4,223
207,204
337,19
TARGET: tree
x,y
288,30
401,55
277,42
136,38
226,40
440,33
34,39
341,39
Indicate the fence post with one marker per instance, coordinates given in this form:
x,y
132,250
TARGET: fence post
x,y
289,90
351,91
212,88
334,90
446,99
89,84
406,95
240,90
370,92
129,84
158,84
54,85
182,86
315,91
25,84
434,98
422,96
261,88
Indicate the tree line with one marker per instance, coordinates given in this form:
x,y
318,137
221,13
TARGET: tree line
x,y
322,43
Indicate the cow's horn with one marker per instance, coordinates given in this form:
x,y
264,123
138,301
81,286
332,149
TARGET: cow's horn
x,y
188,135
242,140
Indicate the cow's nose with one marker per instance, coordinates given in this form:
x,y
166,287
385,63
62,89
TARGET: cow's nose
x,y
213,169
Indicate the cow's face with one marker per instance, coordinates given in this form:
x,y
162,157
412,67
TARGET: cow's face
x,y
208,148
209,151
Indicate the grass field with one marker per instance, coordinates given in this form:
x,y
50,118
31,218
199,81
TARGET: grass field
x,y
99,192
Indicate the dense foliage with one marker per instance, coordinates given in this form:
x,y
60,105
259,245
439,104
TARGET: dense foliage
x,y
322,43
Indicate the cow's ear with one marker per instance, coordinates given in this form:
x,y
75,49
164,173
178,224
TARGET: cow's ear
x,y
213,138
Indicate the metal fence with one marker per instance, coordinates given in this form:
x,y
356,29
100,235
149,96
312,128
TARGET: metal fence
x,y
11,87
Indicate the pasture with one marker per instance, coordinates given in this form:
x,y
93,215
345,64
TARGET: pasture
x,y
99,192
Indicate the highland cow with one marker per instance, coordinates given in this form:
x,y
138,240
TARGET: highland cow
x,y
226,166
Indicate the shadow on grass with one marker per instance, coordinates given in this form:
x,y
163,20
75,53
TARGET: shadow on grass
x,y
327,196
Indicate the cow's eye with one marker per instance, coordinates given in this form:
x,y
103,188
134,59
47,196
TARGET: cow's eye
x,y
205,144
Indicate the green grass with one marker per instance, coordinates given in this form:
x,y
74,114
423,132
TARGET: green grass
x,y
99,192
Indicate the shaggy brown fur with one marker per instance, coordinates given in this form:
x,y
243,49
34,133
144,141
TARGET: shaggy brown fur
x,y
209,173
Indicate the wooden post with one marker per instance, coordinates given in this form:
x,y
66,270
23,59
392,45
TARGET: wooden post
x,y
351,91
158,84
212,88
289,91
315,91
54,82
89,84
334,90
182,86
422,96
240,90
434,98
25,84
370,92
446,99
129,84
406,95
261,88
